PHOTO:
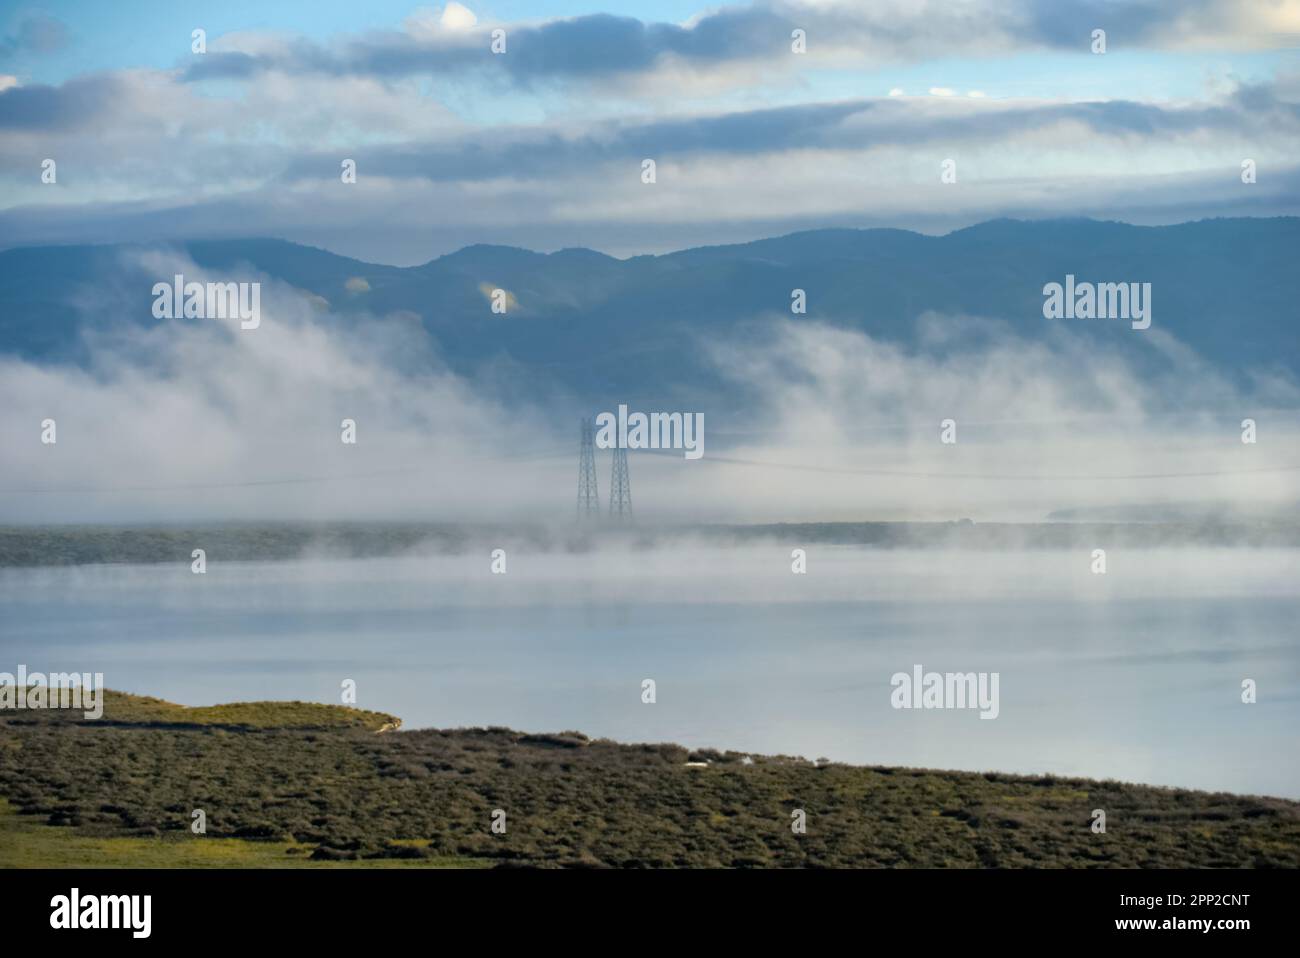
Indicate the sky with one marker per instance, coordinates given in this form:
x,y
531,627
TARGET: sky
x,y
761,118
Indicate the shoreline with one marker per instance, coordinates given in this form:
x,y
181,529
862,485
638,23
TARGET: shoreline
x,y
319,783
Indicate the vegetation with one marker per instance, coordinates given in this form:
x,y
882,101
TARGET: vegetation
x,y
291,783
125,709
26,842
22,546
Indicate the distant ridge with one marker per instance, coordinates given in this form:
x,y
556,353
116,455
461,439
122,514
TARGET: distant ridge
x,y
603,328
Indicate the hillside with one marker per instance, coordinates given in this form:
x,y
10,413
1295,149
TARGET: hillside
x,y
328,789
602,327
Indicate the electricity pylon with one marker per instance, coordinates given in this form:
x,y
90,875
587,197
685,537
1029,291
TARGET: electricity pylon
x,y
588,494
620,490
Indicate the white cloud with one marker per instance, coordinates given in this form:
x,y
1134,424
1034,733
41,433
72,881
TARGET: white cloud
x,y
427,23
457,17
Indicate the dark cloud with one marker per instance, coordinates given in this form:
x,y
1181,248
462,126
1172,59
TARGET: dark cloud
x,y
854,125
605,45
385,56
503,153
1070,24
226,66
74,104
35,35
588,46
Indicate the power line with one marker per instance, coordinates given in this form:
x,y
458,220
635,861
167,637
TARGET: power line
x,y
671,454
992,476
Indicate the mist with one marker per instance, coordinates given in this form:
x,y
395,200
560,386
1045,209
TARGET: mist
x,y
198,420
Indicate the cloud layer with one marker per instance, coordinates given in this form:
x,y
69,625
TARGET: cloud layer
x,y
606,46
543,145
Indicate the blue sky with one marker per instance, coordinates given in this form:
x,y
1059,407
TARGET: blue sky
x,y
543,146
155,34
148,33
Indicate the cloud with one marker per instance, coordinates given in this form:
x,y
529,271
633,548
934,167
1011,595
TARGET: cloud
x,y
603,46
36,34
264,157
428,23
76,104
407,222
457,17
858,420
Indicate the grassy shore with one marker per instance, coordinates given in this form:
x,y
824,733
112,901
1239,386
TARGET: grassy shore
x,y
296,784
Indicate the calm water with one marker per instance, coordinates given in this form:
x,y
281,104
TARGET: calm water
x,y
1134,675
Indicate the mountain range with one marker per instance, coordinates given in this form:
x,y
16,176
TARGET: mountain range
x,y
633,329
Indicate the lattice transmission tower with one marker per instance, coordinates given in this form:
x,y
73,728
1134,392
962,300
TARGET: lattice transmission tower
x,y
588,494
620,490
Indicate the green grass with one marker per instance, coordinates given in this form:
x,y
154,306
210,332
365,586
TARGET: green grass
x,y
26,843
123,708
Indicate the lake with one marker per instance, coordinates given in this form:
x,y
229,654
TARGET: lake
x,y
1134,675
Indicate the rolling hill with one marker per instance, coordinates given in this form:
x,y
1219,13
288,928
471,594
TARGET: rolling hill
x,y
599,327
